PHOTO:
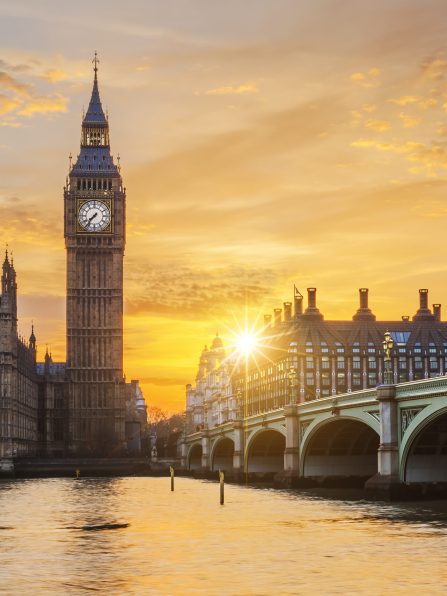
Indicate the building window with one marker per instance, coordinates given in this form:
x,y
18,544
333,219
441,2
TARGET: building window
x,y
325,379
372,363
356,379
433,363
402,363
309,378
340,362
356,362
418,363
341,378
372,379
309,362
325,364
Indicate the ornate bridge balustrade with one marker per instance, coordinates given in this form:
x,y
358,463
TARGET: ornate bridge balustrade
x,y
390,436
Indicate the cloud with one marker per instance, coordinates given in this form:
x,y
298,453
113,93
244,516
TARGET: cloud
x,y
421,103
433,157
409,121
179,290
244,89
377,125
367,79
22,99
29,222
44,105
54,75
404,100
7,105
9,83
434,68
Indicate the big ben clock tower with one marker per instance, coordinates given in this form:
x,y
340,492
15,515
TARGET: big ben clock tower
x,y
95,218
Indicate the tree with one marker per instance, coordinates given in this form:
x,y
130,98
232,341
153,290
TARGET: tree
x,y
165,430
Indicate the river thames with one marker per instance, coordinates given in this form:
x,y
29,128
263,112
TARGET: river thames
x,y
133,536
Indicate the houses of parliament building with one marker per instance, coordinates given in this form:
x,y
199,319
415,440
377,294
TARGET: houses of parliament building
x,y
82,406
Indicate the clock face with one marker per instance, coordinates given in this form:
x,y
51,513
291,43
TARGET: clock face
x,y
94,216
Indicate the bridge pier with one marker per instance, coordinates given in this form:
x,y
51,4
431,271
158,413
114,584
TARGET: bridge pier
x,y
205,451
290,473
238,455
183,454
386,483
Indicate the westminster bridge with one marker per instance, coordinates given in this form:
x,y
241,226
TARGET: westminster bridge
x,y
391,436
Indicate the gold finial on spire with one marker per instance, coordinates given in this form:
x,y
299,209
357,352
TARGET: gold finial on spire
x,y
95,62
118,158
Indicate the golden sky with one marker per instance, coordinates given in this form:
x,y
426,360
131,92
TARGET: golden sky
x,y
263,143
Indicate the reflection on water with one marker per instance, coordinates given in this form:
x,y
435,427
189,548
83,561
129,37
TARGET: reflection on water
x,y
133,536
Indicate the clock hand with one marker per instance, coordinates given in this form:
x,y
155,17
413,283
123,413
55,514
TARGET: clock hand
x,y
90,219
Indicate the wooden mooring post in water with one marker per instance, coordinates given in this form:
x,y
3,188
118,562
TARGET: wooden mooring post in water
x,y
171,469
222,487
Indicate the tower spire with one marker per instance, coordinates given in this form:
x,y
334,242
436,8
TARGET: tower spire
x,y
95,114
95,62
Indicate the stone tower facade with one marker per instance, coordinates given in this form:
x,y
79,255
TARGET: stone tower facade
x,y
95,219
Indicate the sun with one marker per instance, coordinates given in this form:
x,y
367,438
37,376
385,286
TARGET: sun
x,y
246,343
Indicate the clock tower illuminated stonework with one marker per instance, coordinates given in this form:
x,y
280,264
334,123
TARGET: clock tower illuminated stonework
x,y
95,218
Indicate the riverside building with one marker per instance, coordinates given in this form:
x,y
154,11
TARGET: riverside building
x,y
313,358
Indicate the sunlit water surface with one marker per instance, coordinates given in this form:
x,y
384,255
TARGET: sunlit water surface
x,y
260,542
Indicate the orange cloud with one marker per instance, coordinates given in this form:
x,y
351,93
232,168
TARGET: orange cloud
x,y
54,75
7,105
433,157
378,125
422,103
435,68
409,121
230,90
44,105
367,79
23,99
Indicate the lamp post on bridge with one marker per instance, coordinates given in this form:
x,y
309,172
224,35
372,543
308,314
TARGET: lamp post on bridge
x,y
239,408
386,483
292,376
388,345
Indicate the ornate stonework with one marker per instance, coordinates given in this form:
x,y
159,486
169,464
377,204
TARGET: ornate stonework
x,y
407,415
